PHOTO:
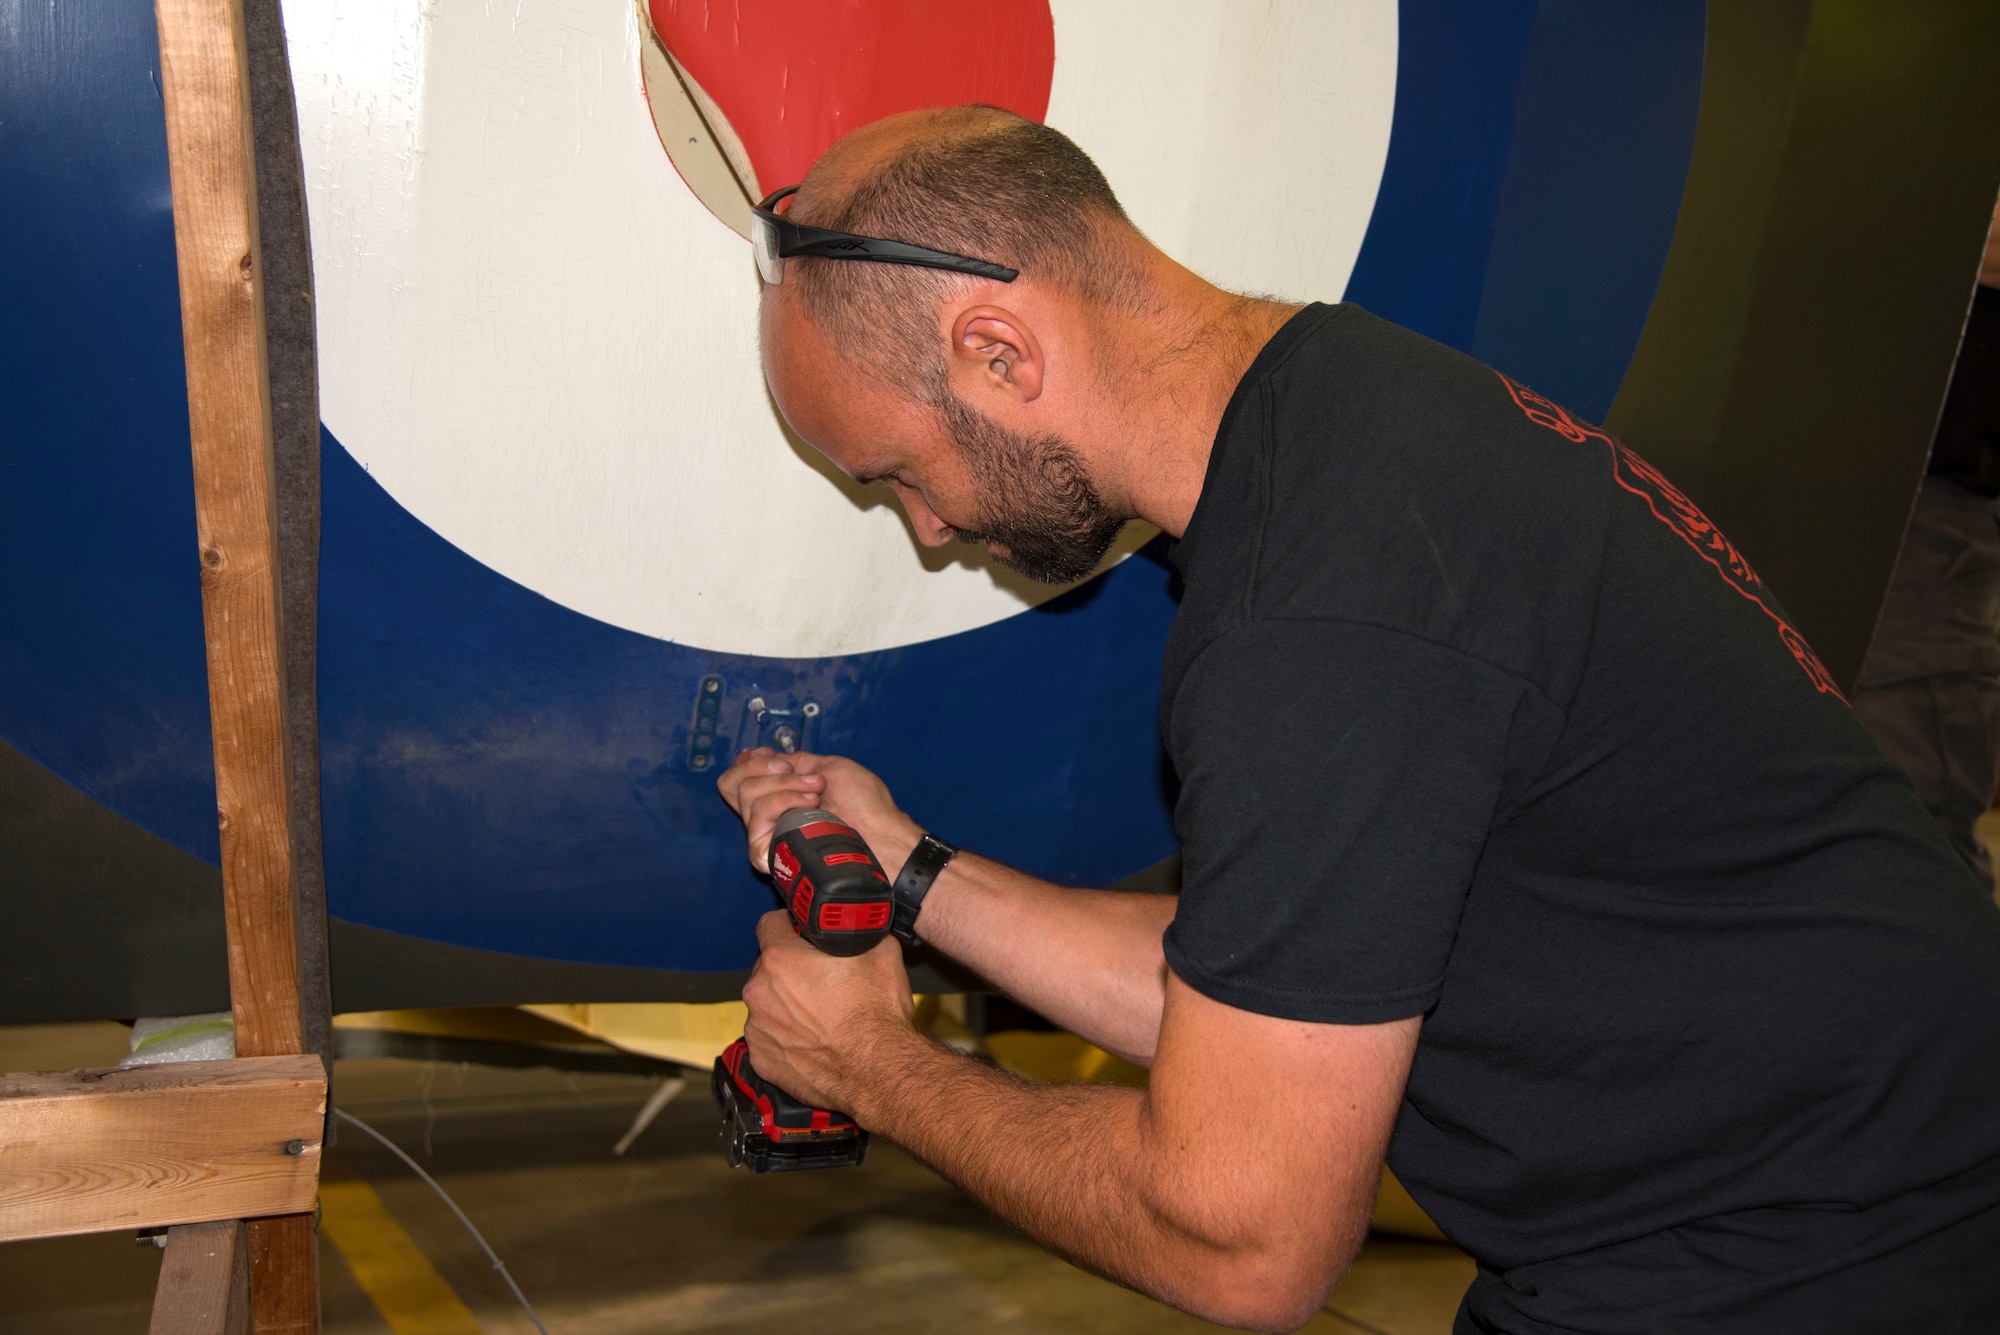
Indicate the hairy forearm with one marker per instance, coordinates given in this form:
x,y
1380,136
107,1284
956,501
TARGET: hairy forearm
x,y
1088,960
1072,1166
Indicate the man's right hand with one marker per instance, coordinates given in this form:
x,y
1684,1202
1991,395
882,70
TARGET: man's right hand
x,y
1090,960
763,785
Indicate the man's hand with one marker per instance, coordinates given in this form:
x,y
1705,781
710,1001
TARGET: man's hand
x,y
763,785
815,1019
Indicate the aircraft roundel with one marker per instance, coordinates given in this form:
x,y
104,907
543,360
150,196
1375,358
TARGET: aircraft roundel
x,y
540,340
570,560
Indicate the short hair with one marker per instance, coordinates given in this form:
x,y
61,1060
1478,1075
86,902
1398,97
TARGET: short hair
x,y
990,184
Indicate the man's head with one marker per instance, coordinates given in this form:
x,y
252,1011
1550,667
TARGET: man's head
x,y
965,394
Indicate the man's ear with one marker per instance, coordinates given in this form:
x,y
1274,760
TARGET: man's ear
x,y
993,348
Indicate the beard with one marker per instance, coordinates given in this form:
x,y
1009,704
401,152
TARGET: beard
x,y
1043,515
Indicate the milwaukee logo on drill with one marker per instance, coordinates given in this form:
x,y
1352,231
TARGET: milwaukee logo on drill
x,y
784,866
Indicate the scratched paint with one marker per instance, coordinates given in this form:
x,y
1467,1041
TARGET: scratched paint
x,y
535,337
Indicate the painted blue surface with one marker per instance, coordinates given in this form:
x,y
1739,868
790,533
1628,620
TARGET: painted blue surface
x,y
1534,178
1603,132
1423,260
102,677
503,772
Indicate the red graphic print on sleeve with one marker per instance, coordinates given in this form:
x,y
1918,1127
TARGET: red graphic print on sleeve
x,y
1672,507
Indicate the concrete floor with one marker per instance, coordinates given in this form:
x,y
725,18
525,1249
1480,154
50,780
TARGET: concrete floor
x,y
666,1239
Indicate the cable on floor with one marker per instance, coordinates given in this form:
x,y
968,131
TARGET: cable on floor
x,y
445,1196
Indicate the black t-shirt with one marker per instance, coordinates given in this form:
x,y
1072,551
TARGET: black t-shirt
x,y
1477,717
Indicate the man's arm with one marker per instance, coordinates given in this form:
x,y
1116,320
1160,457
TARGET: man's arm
x,y
1236,1186
1088,960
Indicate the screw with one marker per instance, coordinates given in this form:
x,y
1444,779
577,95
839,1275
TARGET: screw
x,y
295,1147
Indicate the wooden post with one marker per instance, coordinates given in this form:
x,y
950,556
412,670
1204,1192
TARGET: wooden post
x,y
204,79
204,1281
222,323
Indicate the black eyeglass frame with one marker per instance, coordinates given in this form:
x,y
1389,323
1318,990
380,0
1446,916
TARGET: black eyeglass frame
x,y
776,238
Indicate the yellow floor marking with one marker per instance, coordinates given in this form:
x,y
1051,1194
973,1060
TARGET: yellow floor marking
x,y
387,1263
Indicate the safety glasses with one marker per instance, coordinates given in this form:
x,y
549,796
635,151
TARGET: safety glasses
x,y
776,239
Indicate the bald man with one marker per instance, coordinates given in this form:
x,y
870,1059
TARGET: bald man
x,y
1525,840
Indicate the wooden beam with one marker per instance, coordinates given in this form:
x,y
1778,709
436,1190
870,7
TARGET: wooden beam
x,y
205,85
206,90
140,1146
204,1284
284,1275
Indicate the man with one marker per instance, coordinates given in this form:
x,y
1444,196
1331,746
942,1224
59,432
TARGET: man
x,y
1566,877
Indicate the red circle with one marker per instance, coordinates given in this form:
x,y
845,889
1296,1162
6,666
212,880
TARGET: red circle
x,y
792,76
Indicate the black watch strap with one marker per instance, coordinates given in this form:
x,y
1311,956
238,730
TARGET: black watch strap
x,y
913,882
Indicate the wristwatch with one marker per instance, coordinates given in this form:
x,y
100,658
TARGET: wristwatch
x,y
913,882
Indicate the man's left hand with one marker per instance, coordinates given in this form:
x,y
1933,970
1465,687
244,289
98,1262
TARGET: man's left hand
x,y
815,1019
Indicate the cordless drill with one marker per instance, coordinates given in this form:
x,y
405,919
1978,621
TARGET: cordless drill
x,y
839,899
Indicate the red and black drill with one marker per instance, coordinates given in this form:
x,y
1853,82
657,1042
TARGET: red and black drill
x,y
839,899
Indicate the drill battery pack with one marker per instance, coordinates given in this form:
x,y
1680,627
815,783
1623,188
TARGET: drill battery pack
x,y
766,1130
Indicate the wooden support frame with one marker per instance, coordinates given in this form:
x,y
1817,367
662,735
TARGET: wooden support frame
x,y
212,154
225,1153
240,1140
